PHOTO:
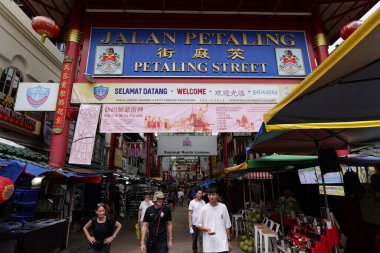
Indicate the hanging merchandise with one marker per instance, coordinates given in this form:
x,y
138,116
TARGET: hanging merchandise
x,y
121,201
6,189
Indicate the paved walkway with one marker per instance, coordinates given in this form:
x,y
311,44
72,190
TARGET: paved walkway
x,y
126,241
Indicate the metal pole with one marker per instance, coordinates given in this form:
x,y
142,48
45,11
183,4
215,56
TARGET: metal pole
x,y
264,191
325,196
243,193
250,192
279,200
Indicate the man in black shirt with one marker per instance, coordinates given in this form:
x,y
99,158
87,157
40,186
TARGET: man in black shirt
x,y
158,221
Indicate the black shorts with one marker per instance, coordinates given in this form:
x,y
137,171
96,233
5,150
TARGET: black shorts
x,y
159,247
170,201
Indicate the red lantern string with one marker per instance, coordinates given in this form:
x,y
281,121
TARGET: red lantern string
x,y
348,29
46,27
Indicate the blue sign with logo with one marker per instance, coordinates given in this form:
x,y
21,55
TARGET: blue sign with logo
x,y
124,52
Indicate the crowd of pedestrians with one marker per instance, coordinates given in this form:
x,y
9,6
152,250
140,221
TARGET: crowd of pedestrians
x,y
208,220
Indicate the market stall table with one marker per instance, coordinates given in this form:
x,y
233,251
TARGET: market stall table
x,y
41,236
324,242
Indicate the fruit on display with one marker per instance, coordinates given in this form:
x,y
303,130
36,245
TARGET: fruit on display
x,y
246,243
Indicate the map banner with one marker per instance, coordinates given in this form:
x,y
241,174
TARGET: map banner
x,y
84,136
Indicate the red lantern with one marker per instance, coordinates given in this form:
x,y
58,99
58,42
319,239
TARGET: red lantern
x,y
46,27
348,29
6,189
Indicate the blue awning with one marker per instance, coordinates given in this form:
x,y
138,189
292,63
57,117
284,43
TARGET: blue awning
x,y
12,169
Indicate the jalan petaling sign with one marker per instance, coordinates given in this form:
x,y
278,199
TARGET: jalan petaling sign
x,y
122,52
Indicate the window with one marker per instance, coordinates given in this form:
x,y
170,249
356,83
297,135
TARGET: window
x,y
10,79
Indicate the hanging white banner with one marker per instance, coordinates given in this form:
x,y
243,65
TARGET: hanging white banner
x,y
182,118
84,136
186,145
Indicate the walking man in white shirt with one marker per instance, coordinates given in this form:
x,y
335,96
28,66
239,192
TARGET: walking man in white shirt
x,y
194,209
143,206
215,224
180,197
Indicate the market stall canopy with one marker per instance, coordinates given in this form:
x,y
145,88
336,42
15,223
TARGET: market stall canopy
x,y
309,141
206,183
340,94
272,163
235,168
360,160
257,175
12,169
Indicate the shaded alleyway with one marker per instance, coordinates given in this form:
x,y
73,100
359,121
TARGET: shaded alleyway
x,y
126,241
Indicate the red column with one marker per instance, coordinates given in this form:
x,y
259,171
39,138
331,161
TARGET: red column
x,y
148,151
320,40
61,124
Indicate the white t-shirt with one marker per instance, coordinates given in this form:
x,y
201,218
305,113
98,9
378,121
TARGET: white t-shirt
x,y
195,206
218,220
143,206
180,194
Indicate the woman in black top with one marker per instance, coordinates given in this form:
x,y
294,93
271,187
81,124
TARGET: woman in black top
x,y
103,230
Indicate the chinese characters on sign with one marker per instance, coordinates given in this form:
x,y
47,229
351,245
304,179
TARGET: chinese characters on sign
x,y
183,93
182,118
132,52
63,96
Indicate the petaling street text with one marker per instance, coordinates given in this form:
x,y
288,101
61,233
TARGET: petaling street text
x,y
190,38
202,67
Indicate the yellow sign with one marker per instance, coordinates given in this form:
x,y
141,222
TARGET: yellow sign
x,y
334,190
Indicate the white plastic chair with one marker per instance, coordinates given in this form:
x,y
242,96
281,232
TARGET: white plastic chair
x,y
258,228
235,217
268,238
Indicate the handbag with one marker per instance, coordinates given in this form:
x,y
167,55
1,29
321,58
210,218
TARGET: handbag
x,y
151,242
138,231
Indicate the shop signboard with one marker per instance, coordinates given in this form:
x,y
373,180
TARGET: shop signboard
x,y
134,52
36,97
182,118
187,145
179,93
22,122
334,190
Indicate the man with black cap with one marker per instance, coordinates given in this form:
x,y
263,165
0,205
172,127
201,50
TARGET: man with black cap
x,y
214,221
158,221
